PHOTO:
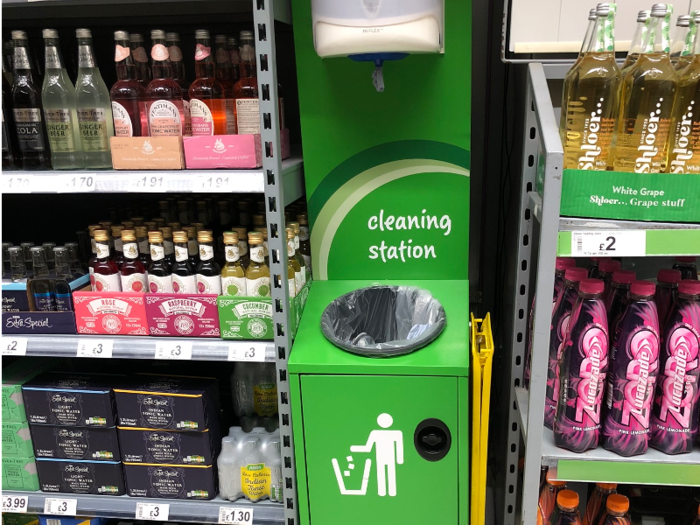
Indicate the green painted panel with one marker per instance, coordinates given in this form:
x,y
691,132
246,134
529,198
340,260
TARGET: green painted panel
x,y
299,449
629,472
465,425
674,242
564,244
341,412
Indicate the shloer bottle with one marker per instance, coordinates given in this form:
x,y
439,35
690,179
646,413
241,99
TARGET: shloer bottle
x,y
166,113
682,43
293,264
128,94
207,105
27,108
637,44
233,280
243,245
94,106
245,90
118,245
591,98
58,97
143,70
258,273
184,280
225,75
208,270
172,41
646,103
159,274
133,272
106,273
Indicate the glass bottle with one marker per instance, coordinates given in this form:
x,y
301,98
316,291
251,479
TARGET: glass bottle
x,y
75,266
184,280
106,272
234,53
27,254
245,91
566,512
637,44
41,286
682,36
257,275
168,245
39,265
207,104
94,106
591,99
6,267
143,70
27,109
646,103
208,270
142,241
128,94
304,245
687,266
59,99
166,112
266,247
293,263
62,291
616,507
172,41
159,273
227,78
48,253
596,505
297,254
93,259
118,245
548,498
192,245
9,136
18,270
233,282
243,245
132,271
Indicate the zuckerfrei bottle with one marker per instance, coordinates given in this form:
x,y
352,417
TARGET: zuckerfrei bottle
x,y
228,79
566,512
58,97
634,363
172,41
233,282
619,296
687,266
159,274
143,70
166,112
293,268
207,104
676,413
682,43
666,292
582,371
133,272
616,508
596,505
184,280
548,498
258,273
637,44
128,94
94,106
208,270
646,103
105,272
591,98
245,90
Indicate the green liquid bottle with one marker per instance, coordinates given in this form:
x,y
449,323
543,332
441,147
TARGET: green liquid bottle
x,y
58,95
258,273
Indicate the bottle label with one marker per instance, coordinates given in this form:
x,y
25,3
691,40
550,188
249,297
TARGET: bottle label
x,y
107,283
687,136
247,116
234,286
102,250
121,52
136,282
247,53
192,247
296,243
44,302
184,285
186,109
259,287
157,252
201,52
64,302
303,233
181,253
85,58
266,250
175,53
300,280
60,130
206,284
93,129
143,246
140,55
231,116
202,119
292,284
242,248
159,53
158,284
257,253
233,252
206,252
122,121
164,119
29,133
131,250
52,59
21,58
290,248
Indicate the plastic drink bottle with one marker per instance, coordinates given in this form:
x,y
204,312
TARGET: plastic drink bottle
x,y
548,498
596,505
619,296
697,520
616,507
559,327
582,370
687,267
674,419
606,269
593,270
566,512
666,292
634,362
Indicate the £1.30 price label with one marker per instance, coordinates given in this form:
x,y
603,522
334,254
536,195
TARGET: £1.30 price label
x,y
620,243
152,511
14,345
95,348
15,504
247,352
61,506
235,516
174,350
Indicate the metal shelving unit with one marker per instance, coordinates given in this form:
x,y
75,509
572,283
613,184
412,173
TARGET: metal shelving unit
x,y
280,181
559,236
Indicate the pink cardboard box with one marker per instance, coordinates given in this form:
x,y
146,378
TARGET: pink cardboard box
x,y
229,151
183,315
115,313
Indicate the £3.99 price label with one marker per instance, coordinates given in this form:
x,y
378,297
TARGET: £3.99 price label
x,y
15,504
620,243
61,506
174,350
95,348
235,516
152,511
14,345
247,352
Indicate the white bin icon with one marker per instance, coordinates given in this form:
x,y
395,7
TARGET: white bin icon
x,y
341,481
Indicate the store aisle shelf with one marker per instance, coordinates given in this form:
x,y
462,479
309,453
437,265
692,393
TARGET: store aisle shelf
x,y
124,507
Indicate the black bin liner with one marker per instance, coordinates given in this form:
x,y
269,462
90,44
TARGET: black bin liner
x,y
383,321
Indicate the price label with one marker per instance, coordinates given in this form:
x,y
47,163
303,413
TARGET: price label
x,y
147,183
61,506
18,183
235,516
620,243
95,348
14,346
152,511
215,183
174,350
250,352
15,504
83,183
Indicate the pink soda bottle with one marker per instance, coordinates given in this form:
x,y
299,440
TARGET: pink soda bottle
x,y
697,519
596,505
548,498
566,512
619,296
666,292
687,266
616,511
606,268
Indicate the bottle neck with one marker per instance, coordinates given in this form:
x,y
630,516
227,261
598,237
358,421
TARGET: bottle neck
x,y
21,65
204,66
247,64
86,56
160,60
658,38
126,68
176,59
603,38
52,54
223,61
587,36
640,34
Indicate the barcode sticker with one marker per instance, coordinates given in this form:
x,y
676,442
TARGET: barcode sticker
x,y
620,243
152,511
61,506
235,516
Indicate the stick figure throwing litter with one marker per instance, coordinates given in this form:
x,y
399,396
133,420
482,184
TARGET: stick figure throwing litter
x,y
388,446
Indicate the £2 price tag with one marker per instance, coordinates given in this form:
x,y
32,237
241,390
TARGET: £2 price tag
x,y
15,504
235,516
152,511
620,243
14,346
95,348
61,506
247,352
174,350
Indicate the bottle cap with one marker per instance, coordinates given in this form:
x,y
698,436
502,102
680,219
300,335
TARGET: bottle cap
x,y
645,288
565,262
602,9
167,232
568,499
128,236
255,238
201,34
180,236
93,227
659,10
554,482
263,232
246,35
117,230
258,220
121,35
686,259
591,15
624,276
290,233
689,287
175,225
230,237
220,39
157,34
101,235
49,33
83,33
190,230
172,36
294,225
205,236
607,486
136,37
683,21
642,16
668,276
591,286
575,274
232,41
155,236
19,35
198,225
129,225
36,249
303,219
141,231
618,503
242,233
608,265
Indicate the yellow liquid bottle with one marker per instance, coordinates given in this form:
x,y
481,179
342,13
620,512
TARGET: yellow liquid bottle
x,y
257,275
682,44
637,44
646,104
233,280
591,99
297,254
293,264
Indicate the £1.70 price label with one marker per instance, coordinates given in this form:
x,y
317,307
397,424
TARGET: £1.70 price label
x,y
247,352
620,243
153,511
76,183
95,348
235,516
61,506
14,345
15,504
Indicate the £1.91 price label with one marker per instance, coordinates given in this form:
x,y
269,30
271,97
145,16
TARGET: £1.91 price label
x,y
152,511
61,506
620,243
15,504
235,516
95,348
247,352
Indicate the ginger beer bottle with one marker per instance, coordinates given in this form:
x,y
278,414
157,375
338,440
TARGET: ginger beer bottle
x,y
591,98
637,44
646,102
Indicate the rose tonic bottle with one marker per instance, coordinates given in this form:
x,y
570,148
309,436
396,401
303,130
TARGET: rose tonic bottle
x,y
207,104
128,94
166,113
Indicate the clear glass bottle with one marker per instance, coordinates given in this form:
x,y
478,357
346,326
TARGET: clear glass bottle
x,y
132,271
293,268
207,104
166,112
18,269
6,266
10,149
41,286
208,270
128,94
233,281
138,50
172,41
27,254
245,91
75,266
59,99
184,279
159,273
106,272
48,253
258,273
638,39
225,75
27,109
646,104
682,41
62,291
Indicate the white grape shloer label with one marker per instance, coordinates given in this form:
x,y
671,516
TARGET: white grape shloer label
x,y
184,285
158,284
202,119
122,121
206,252
164,119
207,284
234,286
259,287
232,253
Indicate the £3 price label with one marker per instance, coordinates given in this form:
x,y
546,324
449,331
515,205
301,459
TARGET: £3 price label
x,y
14,346
620,243
174,350
15,504
247,352
152,511
235,516
61,506
95,348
